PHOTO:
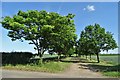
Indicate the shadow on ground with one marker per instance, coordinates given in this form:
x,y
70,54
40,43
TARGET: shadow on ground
x,y
86,61
97,67
71,60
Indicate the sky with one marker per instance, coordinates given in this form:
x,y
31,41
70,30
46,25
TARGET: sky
x,y
86,13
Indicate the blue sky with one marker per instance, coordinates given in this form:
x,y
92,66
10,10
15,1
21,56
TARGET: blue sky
x,y
104,13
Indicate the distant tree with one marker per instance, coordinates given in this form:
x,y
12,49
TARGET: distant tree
x,y
43,29
94,39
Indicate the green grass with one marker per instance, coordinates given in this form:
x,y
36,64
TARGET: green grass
x,y
108,65
52,67
67,59
113,74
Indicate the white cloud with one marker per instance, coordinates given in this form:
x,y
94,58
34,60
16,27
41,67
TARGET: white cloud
x,y
89,8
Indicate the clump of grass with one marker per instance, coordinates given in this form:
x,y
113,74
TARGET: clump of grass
x,y
112,74
52,67
56,66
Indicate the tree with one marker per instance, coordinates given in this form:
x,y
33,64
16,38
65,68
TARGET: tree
x,y
64,35
43,29
94,39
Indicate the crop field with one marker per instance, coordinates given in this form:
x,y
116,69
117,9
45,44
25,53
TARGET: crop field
x,y
109,58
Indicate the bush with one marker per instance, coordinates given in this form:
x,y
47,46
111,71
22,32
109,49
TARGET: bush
x,y
16,57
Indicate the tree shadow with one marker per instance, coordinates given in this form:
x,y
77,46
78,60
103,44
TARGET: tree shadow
x,y
86,61
101,68
71,60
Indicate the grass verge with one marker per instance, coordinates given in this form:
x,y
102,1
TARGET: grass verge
x,y
52,67
113,74
105,67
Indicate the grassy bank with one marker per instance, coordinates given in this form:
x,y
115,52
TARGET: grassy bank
x,y
52,67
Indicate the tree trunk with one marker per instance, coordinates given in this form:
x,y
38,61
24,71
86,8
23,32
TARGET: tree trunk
x,y
86,56
79,55
83,55
58,57
65,55
40,53
41,61
90,56
98,57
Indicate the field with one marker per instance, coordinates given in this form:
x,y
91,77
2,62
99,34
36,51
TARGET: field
x,y
108,58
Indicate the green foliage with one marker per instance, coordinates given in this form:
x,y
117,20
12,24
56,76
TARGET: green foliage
x,y
16,58
64,37
45,30
94,39
71,51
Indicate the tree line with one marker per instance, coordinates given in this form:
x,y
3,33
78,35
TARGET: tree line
x,y
52,32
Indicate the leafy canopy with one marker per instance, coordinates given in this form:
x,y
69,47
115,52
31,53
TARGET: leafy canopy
x,y
94,39
46,30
